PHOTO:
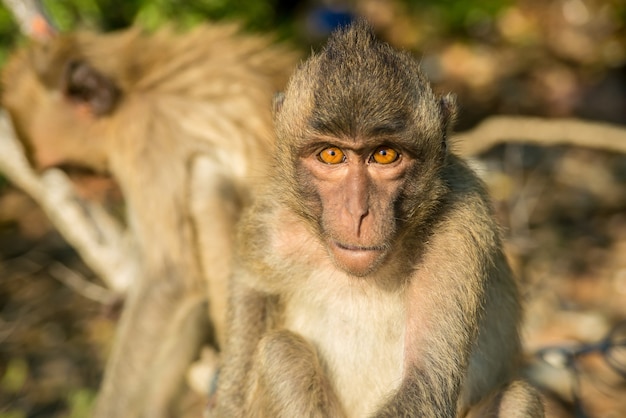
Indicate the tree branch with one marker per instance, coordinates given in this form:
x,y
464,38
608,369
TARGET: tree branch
x,y
540,131
31,17
100,240
81,285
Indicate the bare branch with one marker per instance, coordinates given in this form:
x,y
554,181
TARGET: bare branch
x,y
542,132
100,240
81,285
31,17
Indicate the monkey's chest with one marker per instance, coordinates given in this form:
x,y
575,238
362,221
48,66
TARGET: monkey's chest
x,y
359,335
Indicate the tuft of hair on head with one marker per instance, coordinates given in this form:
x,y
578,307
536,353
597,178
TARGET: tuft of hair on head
x,y
363,86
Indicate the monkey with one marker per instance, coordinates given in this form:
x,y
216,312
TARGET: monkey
x,y
182,122
370,278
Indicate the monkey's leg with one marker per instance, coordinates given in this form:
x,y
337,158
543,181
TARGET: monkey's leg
x,y
288,380
161,330
516,400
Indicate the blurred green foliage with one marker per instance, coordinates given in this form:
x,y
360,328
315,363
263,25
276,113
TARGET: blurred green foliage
x,y
14,376
452,16
12,382
260,15
115,14
8,32
80,402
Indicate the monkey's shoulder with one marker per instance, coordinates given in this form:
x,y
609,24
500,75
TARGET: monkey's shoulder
x,y
467,194
462,179
465,223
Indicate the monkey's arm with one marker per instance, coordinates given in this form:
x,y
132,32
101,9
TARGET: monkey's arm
x,y
270,373
247,320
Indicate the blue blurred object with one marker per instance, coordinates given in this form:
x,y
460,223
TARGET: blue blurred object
x,y
322,20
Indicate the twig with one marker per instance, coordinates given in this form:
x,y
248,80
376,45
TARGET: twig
x,y
81,285
31,17
542,132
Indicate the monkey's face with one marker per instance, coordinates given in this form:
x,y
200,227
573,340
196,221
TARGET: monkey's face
x,y
361,143
56,102
351,188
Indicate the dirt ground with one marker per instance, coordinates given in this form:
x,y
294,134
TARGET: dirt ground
x,y
564,216
53,340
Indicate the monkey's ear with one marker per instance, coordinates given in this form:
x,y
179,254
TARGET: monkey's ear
x,y
84,85
448,110
277,103
448,114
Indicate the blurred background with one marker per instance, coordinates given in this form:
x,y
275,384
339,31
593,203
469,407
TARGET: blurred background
x,y
563,209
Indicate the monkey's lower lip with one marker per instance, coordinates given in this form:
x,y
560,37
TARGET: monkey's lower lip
x,y
357,247
356,259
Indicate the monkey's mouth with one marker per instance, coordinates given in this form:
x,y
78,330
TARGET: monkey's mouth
x,y
75,170
356,259
80,173
92,185
358,247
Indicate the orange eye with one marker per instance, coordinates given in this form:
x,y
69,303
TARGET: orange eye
x,y
331,155
385,155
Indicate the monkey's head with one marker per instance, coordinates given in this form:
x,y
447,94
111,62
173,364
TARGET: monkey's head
x,y
361,142
56,99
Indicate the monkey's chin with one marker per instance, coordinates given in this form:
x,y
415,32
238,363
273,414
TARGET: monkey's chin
x,y
355,260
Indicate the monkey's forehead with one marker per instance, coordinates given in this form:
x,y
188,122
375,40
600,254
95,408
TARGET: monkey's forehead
x,y
352,118
363,89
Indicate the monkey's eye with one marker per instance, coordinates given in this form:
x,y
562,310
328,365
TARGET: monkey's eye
x,y
385,155
331,155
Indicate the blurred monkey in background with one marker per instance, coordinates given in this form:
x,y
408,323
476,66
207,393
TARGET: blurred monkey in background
x,y
182,122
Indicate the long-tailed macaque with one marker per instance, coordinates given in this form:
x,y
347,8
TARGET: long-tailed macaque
x,y
370,278
183,123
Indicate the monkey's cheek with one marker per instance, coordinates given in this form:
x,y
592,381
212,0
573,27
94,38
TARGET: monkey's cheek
x,y
354,261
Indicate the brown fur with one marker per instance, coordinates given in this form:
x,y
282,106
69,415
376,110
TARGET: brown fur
x,y
182,121
416,312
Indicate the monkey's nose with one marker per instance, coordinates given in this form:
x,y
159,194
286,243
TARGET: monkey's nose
x,y
352,218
